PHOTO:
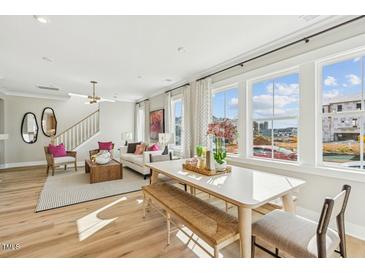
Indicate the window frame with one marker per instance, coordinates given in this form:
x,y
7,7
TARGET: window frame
x,y
223,88
174,99
319,64
249,121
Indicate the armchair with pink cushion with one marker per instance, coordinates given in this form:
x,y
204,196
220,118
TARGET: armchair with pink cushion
x,y
57,156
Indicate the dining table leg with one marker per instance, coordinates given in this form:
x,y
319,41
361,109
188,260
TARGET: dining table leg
x,y
288,203
245,230
154,176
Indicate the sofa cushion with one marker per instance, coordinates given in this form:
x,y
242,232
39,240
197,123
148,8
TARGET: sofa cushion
x,y
140,148
57,151
153,147
133,158
65,159
132,147
105,145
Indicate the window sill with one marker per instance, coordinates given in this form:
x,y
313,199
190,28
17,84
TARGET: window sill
x,y
300,168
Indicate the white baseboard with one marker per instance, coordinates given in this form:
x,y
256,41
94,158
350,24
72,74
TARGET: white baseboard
x,y
354,230
33,163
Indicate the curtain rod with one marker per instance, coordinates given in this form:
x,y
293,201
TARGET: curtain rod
x,y
167,91
305,39
143,101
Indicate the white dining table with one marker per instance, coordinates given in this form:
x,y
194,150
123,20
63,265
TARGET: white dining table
x,y
245,188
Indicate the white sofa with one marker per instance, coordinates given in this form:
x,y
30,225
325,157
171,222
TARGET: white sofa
x,y
137,162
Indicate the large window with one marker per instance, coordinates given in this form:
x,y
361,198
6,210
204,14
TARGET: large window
x,y
342,88
225,107
177,122
275,111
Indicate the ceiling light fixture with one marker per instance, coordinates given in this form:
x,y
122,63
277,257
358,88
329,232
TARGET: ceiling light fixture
x,y
45,58
181,50
41,19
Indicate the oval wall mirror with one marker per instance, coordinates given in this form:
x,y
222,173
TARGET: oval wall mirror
x,y
49,122
29,128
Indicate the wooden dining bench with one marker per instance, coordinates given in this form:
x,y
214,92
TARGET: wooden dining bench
x,y
211,224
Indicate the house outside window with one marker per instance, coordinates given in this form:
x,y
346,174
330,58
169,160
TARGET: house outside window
x,y
342,127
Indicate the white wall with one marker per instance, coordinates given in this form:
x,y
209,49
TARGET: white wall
x,y
114,119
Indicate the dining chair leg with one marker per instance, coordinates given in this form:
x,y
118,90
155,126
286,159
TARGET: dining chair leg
x,y
47,170
65,167
341,232
52,170
253,241
75,166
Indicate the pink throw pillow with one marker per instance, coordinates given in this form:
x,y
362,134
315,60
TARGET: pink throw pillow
x,y
105,145
57,151
140,149
154,147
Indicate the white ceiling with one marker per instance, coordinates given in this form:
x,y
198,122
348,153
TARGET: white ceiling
x,y
116,50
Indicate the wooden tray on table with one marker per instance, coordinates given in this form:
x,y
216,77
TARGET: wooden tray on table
x,y
205,171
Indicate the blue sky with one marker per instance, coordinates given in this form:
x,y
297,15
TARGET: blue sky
x,y
225,104
342,80
178,110
277,97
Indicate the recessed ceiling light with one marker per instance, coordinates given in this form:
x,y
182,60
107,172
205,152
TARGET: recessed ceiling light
x,y
41,19
168,80
181,50
139,77
45,58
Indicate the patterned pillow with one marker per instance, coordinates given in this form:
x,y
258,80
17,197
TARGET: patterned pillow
x,y
140,148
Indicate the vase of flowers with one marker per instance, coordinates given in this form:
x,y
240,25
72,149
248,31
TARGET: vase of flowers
x,y
222,131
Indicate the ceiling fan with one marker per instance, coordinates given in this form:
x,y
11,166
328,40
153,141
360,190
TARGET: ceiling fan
x,y
93,99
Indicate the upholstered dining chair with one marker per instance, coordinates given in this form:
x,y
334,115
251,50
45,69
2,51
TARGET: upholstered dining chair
x,y
303,238
160,158
52,162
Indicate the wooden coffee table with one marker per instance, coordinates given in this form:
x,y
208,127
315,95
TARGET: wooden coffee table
x,y
101,173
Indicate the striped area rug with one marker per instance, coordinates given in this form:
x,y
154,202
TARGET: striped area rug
x,y
69,188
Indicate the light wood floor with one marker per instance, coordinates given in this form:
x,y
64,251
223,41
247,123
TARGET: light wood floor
x,y
57,232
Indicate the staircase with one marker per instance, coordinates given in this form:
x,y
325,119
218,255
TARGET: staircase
x,y
80,132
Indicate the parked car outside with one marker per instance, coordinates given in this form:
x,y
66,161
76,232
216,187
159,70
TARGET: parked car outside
x,y
265,151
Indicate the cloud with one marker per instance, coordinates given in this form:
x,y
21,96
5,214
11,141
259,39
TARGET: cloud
x,y
330,81
330,95
263,105
353,79
234,102
283,89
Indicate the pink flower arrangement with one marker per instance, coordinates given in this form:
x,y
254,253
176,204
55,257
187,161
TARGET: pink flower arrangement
x,y
223,129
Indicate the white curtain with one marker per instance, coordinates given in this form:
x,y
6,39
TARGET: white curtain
x,y
202,111
187,125
167,106
136,119
147,121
